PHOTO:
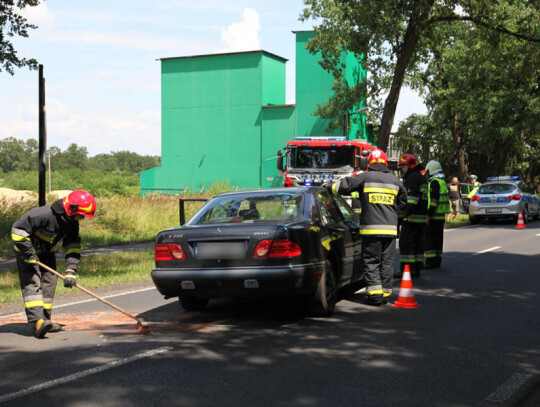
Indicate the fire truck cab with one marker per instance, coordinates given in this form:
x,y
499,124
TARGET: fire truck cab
x,y
317,160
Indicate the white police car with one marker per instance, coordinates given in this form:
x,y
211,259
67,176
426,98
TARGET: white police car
x,y
504,197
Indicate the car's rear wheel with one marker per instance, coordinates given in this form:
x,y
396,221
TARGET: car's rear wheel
x,y
193,303
474,219
325,297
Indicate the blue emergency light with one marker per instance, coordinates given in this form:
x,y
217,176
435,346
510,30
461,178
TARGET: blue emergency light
x,y
504,178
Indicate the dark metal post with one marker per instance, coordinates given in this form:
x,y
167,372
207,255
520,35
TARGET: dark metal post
x,y
42,138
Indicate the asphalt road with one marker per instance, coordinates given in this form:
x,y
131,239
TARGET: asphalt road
x,y
473,341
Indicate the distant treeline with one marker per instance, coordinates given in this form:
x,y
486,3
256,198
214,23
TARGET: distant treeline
x,y
19,155
103,175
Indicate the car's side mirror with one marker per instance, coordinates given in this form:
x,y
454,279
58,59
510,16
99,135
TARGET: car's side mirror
x,y
363,161
280,160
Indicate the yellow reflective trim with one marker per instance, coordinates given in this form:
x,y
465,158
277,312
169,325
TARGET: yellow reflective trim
x,y
326,243
86,208
375,292
42,236
30,261
378,232
47,305
383,199
78,250
334,188
30,304
19,238
381,190
16,248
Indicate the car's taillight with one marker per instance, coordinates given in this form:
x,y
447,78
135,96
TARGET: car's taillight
x,y
475,198
277,248
168,252
516,197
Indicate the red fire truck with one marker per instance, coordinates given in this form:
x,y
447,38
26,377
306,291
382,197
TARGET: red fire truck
x,y
316,160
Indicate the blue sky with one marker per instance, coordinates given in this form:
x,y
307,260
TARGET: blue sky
x,y
102,76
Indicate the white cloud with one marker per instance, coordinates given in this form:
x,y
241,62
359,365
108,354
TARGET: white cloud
x,y
243,36
138,132
39,15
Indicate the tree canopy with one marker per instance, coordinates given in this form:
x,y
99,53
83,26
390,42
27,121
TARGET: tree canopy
x,y
392,39
12,24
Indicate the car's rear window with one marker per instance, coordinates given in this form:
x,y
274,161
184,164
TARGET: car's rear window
x,y
246,208
496,189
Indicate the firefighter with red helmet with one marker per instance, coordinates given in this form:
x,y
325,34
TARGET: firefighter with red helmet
x,y
411,237
382,198
34,236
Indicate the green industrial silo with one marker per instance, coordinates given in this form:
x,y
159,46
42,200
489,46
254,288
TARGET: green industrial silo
x,y
224,117
212,120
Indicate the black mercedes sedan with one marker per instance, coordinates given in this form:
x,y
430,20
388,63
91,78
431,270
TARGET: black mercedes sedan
x,y
299,242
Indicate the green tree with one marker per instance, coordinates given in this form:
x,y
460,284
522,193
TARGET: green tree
x,y
18,155
391,39
12,24
483,87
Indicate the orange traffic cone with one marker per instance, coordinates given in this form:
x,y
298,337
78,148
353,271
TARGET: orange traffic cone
x,y
520,224
406,294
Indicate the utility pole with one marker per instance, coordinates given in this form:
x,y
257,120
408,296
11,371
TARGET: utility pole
x,y
49,159
42,138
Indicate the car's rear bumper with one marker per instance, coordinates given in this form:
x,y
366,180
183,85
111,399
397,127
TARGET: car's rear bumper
x,y
495,211
238,281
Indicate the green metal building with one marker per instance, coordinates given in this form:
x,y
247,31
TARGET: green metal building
x,y
224,117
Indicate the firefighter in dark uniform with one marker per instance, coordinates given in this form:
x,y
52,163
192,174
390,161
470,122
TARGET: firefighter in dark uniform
x,y
382,197
438,207
411,237
34,235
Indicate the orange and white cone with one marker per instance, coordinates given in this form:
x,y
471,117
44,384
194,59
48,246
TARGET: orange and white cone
x,y
406,294
520,223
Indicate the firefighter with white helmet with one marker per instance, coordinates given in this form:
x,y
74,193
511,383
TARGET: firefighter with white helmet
x,y
438,207
34,236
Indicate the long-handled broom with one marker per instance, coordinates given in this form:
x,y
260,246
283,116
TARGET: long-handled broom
x,y
141,325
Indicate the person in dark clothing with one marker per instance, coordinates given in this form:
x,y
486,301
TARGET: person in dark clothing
x,y
411,238
382,197
34,236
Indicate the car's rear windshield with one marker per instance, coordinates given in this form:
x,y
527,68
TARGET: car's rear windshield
x,y
249,208
496,189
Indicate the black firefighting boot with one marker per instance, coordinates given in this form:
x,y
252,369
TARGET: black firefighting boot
x,y
56,327
375,300
41,327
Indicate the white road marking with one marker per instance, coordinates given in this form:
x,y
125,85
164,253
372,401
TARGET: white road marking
x,y
85,301
509,387
538,234
487,250
84,373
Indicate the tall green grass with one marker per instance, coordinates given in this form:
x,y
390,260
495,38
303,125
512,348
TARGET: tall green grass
x,y
94,271
119,219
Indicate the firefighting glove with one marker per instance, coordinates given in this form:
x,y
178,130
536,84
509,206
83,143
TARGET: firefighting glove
x,y
70,278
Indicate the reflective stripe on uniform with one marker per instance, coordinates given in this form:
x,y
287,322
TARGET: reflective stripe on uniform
x,y
74,250
43,236
47,305
30,304
19,238
381,187
431,254
390,230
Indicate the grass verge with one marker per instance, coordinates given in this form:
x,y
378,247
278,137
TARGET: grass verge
x,y
94,271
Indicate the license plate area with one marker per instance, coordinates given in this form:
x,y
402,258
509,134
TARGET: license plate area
x,y
493,210
220,250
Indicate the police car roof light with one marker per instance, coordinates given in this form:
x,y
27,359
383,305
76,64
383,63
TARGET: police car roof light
x,y
504,178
